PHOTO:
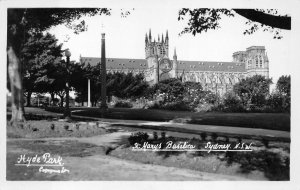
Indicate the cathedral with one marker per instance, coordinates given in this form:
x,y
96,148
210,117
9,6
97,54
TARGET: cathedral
x,y
218,77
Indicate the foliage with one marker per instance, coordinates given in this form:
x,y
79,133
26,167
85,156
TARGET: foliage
x,y
126,85
232,103
55,109
203,136
21,22
284,85
123,104
39,51
203,19
119,84
173,94
253,90
139,137
79,80
282,97
279,103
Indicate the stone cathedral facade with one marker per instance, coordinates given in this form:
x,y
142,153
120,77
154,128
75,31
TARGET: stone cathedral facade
x,y
215,76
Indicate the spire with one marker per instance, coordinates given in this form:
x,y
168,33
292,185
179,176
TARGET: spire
x,y
167,38
150,35
158,38
175,55
162,38
146,38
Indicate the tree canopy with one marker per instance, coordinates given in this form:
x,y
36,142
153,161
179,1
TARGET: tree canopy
x,y
203,19
253,90
22,21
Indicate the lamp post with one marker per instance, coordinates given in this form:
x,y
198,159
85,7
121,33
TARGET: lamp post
x,y
67,113
103,105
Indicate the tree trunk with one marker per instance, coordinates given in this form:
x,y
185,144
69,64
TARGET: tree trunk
x,y
61,101
15,78
28,99
52,98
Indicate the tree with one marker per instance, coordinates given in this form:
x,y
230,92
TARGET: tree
x,y
201,20
281,98
126,85
284,85
79,80
23,21
38,54
253,90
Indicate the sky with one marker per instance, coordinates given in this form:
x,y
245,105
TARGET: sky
x,y
125,38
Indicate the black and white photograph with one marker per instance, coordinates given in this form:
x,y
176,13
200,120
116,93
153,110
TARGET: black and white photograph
x,y
149,91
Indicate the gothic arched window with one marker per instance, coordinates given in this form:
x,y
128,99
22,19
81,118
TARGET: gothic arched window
x,y
260,61
162,51
249,64
256,61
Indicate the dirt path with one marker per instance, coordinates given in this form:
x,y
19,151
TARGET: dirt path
x,y
102,167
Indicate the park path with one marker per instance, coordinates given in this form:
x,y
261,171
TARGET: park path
x,y
102,167
106,167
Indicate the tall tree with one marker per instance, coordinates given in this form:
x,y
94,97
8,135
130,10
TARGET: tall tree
x,y
203,19
38,54
284,85
253,90
283,88
79,80
22,21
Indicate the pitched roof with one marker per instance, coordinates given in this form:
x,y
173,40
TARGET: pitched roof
x,y
118,63
211,66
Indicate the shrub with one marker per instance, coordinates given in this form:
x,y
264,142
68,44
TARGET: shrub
x,y
138,137
279,102
55,109
214,136
265,142
173,94
123,104
163,135
231,103
203,136
204,107
155,136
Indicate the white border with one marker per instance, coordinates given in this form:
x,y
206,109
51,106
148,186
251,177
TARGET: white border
x,y
291,5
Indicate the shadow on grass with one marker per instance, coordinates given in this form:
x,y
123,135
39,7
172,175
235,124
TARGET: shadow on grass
x,y
274,167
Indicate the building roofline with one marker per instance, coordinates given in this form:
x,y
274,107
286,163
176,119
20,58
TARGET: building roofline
x,y
255,47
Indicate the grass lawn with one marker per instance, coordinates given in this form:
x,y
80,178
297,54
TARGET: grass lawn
x,y
273,121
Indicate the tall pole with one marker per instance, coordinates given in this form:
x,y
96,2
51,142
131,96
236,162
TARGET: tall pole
x,y
67,113
89,93
103,106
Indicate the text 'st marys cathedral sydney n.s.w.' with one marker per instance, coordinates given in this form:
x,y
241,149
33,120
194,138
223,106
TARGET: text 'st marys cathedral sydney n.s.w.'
x,y
215,76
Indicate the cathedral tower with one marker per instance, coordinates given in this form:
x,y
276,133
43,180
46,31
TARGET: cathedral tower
x,y
154,52
257,62
161,45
